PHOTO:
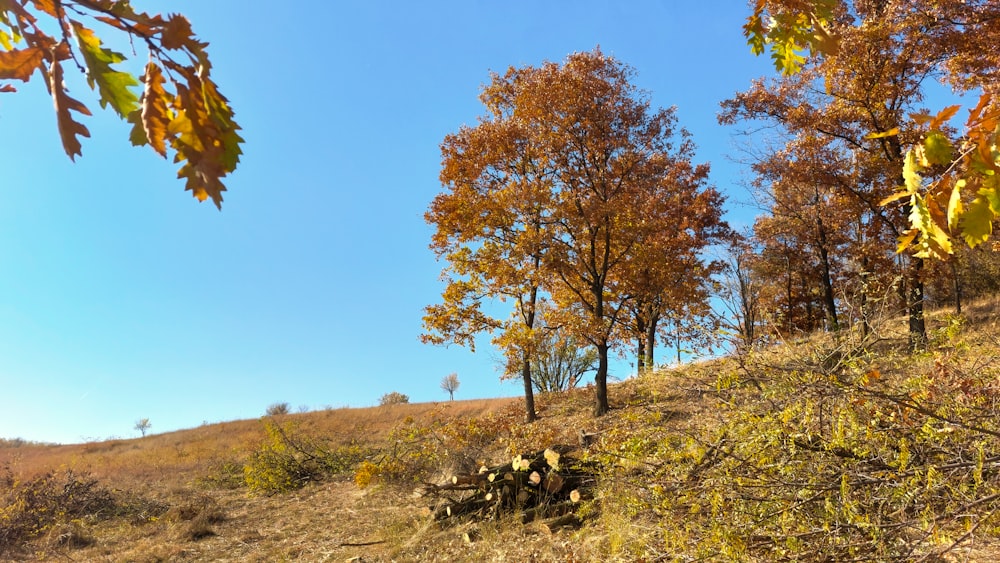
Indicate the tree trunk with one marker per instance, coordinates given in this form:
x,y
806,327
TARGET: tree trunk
x,y
529,392
650,336
677,338
640,353
915,305
601,381
957,280
824,257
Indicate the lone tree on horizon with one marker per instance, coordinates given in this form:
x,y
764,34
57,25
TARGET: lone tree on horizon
x,y
143,425
450,384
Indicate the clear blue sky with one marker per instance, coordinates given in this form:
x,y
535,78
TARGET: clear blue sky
x,y
122,297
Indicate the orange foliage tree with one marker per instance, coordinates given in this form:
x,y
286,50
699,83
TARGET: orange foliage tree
x,y
858,97
950,183
179,108
566,190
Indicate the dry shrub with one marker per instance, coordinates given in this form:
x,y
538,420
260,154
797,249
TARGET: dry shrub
x,y
197,515
57,505
421,450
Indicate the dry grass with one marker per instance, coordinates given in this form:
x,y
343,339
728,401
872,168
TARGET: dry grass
x,y
193,474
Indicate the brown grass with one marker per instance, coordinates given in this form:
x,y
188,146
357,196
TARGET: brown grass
x,y
208,518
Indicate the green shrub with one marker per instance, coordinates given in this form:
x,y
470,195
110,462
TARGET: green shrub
x,y
287,460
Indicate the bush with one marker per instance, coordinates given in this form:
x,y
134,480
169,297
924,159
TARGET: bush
x,y
55,504
287,461
394,398
441,444
277,409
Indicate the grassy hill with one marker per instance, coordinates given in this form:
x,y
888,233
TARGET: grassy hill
x,y
824,449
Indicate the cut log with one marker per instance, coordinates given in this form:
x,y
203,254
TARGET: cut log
x,y
535,478
468,479
565,521
546,511
553,483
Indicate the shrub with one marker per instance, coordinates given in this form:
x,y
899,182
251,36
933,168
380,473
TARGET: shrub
x,y
277,409
287,460
393,398
54,505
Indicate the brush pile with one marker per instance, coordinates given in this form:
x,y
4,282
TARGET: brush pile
x,y
546,485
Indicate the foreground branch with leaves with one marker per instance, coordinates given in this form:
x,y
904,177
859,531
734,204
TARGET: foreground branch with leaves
x,y
179,110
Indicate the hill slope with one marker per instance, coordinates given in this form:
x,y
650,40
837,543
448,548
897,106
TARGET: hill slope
x,y
826,449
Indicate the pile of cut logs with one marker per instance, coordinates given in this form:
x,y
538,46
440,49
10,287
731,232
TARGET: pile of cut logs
x,y
546,485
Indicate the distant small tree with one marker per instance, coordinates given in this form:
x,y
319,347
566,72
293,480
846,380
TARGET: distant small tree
x,y
560,363
278,409
393,398
450,384
143,425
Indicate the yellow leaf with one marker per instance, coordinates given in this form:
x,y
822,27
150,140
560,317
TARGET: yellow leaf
x,y
155,116
977,222
906,239
894,197
955,204
943,116
937,148
911,173
890,133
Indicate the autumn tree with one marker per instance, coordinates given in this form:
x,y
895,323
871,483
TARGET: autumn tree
x,y
449,384
178,109
958,38
857,99
491,227
555,194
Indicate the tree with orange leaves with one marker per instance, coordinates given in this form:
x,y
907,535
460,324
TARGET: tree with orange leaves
x,y
566,187
949,185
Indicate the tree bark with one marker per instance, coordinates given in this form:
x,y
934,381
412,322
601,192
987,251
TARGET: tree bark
x,y
529,393
601,381
654,320
957,280
915,305
824,257
640,353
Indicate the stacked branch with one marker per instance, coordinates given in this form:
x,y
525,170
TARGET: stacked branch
x,y
546,485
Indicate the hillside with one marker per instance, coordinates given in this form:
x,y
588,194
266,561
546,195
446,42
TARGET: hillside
x,y
822,449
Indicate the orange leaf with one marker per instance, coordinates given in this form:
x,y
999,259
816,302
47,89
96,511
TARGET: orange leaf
x,y
943,116
177,33
154,109
47,6
68,127
20,63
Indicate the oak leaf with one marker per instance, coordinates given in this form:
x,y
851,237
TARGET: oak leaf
x,y
69,128
113,85
20,63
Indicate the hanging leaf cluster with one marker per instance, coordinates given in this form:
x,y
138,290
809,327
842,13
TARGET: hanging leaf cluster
x,y
791,29
938,212
179,109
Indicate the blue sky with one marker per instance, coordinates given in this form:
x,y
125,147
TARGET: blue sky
x,y
121,297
